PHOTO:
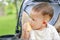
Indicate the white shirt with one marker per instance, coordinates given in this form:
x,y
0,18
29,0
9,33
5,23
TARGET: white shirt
x,y
48,33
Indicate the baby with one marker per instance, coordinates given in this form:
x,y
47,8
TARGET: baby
x,y
40,29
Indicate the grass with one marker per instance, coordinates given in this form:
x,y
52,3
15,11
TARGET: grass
x,y
7,25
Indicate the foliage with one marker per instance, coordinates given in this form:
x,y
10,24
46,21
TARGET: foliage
x,y
10,9
0,4
7,25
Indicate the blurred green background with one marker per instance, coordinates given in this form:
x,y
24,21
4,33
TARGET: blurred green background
x,y
8,16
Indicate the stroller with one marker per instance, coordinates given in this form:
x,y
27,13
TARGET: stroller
x,y
27,6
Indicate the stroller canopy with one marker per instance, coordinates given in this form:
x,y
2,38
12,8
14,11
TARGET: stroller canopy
x,y
28,4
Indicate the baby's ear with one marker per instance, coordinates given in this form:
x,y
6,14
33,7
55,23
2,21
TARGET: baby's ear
x,y
44,22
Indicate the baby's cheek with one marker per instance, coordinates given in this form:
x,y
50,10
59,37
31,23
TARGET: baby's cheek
x,y
32,25
36,25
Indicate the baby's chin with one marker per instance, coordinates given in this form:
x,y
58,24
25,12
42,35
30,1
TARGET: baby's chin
x,y
39,28
36,28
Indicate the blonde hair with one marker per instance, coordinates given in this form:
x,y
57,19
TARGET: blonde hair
x,y
44,7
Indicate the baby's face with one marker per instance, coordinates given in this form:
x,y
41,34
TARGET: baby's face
x,y
39,16
38,19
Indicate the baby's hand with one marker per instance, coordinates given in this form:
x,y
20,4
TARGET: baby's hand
x,y
26,31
